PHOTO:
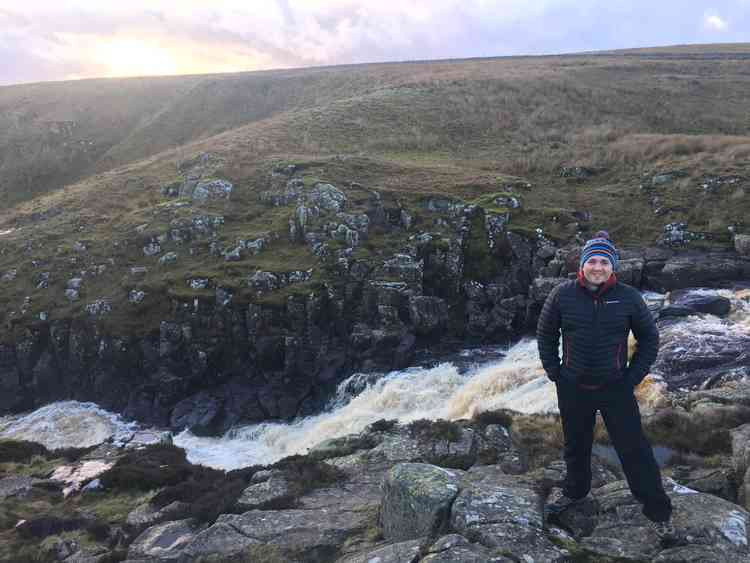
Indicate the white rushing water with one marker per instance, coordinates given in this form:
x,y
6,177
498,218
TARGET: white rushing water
x,y
67,424
516,381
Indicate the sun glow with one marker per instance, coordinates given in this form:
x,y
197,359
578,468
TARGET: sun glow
x,y
133,57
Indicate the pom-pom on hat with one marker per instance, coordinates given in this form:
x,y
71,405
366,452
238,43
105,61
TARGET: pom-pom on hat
x,y
600,245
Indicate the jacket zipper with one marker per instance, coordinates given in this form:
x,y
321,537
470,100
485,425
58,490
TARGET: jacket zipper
x,y
617,357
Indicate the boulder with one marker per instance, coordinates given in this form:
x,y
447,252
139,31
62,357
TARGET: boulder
x,y
168,258
300,534
211,189
698,270
199,414
147,515
274,489
164,541
503,512
327,197
417,499
701,301
704,522
695,352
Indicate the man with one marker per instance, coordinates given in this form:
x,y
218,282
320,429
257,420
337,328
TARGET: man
x,y
595,313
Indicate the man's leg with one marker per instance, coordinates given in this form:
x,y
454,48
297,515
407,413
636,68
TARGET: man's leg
x,y
578,416
623,421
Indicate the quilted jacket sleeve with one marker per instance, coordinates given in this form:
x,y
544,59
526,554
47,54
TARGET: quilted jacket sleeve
x,y
647,335
548,334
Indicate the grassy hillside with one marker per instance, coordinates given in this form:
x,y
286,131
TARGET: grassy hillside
x,y
462,129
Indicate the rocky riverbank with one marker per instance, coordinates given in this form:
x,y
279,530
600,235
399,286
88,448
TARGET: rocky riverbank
x,y
428,491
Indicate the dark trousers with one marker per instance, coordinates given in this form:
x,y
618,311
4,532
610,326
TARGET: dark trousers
x,y
622,418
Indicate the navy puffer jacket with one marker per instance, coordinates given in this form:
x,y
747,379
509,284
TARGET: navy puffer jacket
x,y
595,329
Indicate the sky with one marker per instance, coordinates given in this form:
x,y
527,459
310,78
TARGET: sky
x,y
43,40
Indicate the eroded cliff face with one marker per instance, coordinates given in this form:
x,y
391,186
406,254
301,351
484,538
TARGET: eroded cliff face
x,y
388,279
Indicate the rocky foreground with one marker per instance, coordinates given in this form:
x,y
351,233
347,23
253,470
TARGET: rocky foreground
x,y
430,491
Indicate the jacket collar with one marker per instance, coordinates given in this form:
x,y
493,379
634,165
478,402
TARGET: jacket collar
x,y
606,286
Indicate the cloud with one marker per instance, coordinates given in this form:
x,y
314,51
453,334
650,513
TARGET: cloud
x,y
715,23
79,38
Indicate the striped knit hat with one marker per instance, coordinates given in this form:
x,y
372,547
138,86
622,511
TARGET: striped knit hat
x,y
600,245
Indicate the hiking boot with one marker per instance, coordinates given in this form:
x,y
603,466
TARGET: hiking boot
x,y
563,503
665,531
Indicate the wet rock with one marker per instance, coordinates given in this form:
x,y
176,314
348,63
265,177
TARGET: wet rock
x,y
74,283
701,301
199,414
504,512
697,351
742,244
416,500
138,271
72,295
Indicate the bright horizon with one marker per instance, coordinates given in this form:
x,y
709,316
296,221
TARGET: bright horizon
x,y
39,41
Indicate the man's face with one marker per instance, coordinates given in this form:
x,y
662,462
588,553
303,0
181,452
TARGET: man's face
x,y
597,269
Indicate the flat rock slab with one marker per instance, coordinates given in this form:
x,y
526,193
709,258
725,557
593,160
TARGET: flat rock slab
x,y
164,542
75,475
402,552
417,500
703,521
503,512
307,535
454,548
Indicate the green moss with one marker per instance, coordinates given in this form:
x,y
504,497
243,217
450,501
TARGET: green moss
x,y
435,430
479,264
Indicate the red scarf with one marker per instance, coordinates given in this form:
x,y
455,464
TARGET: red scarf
x,y
602,288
